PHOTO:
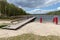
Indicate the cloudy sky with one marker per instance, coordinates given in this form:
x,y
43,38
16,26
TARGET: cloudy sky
x,y
37,6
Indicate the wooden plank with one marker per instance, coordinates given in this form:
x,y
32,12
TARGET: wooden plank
x,y
19,25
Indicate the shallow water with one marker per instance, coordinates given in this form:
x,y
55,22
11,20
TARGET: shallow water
x,y
47,18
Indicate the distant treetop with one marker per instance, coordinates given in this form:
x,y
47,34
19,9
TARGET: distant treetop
x,y
3,0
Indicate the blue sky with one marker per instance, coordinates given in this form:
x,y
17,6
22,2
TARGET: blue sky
x,y
54,6
37,6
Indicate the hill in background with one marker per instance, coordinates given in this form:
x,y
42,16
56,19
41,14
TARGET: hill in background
x,y
7,9
54,13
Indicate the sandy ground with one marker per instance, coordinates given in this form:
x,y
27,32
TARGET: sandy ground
x,y
37,28
2,21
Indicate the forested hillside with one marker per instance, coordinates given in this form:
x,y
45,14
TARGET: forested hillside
x,y
54,13
7,9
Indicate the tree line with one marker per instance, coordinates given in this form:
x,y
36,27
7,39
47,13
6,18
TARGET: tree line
x,y
54,13
7,9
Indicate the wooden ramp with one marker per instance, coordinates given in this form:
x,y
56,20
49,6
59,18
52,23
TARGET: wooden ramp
x,y
19,25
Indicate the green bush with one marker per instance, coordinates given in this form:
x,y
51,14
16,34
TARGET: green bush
x,y
2,26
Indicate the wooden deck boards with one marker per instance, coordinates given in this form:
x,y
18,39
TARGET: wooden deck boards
x,y
19,25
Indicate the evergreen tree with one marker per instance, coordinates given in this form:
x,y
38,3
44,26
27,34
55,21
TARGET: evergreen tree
x,y
7,9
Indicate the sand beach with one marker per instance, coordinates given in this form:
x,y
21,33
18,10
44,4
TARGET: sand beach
x,y
42,29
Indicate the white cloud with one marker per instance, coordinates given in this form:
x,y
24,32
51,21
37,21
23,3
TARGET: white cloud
x,y
27,4
52,1
33,3
39,11
58,8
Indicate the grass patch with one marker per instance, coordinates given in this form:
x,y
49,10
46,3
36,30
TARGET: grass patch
x,y
2,26
32,37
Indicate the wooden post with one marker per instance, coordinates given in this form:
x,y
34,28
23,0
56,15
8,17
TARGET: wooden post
x,y
53,19
40,19
56,20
